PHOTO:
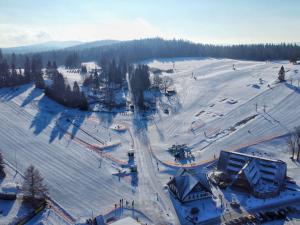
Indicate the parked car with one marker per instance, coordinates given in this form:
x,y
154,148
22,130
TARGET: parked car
x,y
251,217
265,218
290,209
280,215
235,204
272,215
259,218
283,213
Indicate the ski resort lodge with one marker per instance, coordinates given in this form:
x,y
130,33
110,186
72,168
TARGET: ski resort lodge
x,y
262,177
189,186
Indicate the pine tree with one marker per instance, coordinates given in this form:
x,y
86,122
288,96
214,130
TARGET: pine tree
x,y
49,65
281,74
76,88
139,79
83,102
27,71
13,59
1,55
33,187
68,96
83,69
39,80
4,73
72,61
2,172
54,66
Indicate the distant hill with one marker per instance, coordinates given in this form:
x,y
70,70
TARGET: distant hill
x,y
42,47
57,45
93,44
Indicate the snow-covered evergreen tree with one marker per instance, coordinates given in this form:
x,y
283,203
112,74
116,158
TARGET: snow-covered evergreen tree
x,y
2,172
281,74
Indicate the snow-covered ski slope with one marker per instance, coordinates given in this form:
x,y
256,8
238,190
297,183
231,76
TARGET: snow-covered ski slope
x,y
214,109
29,135
215,106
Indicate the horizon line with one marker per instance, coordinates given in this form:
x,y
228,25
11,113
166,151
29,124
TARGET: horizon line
x,y
82,42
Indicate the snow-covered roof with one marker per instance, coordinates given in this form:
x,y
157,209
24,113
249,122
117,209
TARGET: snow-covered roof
x,y
126,221
263,175
185,181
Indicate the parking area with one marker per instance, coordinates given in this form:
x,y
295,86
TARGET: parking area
x,y
263,216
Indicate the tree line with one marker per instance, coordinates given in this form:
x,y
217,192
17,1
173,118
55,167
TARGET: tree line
x,y
11,76
111,75
137,50
139,81
32,72
61,92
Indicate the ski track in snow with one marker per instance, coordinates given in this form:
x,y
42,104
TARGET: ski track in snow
x,y
70,171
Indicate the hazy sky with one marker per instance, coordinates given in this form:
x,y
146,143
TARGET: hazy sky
x,y
208,21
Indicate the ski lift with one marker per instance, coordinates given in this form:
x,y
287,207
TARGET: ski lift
x,y
130,153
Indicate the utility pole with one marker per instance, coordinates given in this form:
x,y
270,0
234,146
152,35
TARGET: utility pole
x,y
100,162
265,107
16,161
256,105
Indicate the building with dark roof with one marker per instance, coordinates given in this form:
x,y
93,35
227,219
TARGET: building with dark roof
x,y
261,176
189,186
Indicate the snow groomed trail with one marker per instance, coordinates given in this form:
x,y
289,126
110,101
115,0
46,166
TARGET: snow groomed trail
x,y
34,131
220,100
71,172
275,122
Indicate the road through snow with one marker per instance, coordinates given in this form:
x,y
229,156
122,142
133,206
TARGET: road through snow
x,y
153,200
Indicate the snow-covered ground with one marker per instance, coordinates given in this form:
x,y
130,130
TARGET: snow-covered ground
x,y
214,109
11,209
47,217
218,108
72,75
76,177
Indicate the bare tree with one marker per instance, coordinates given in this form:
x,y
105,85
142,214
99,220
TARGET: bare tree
x,y
33,187
156,81
166,83
291,141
